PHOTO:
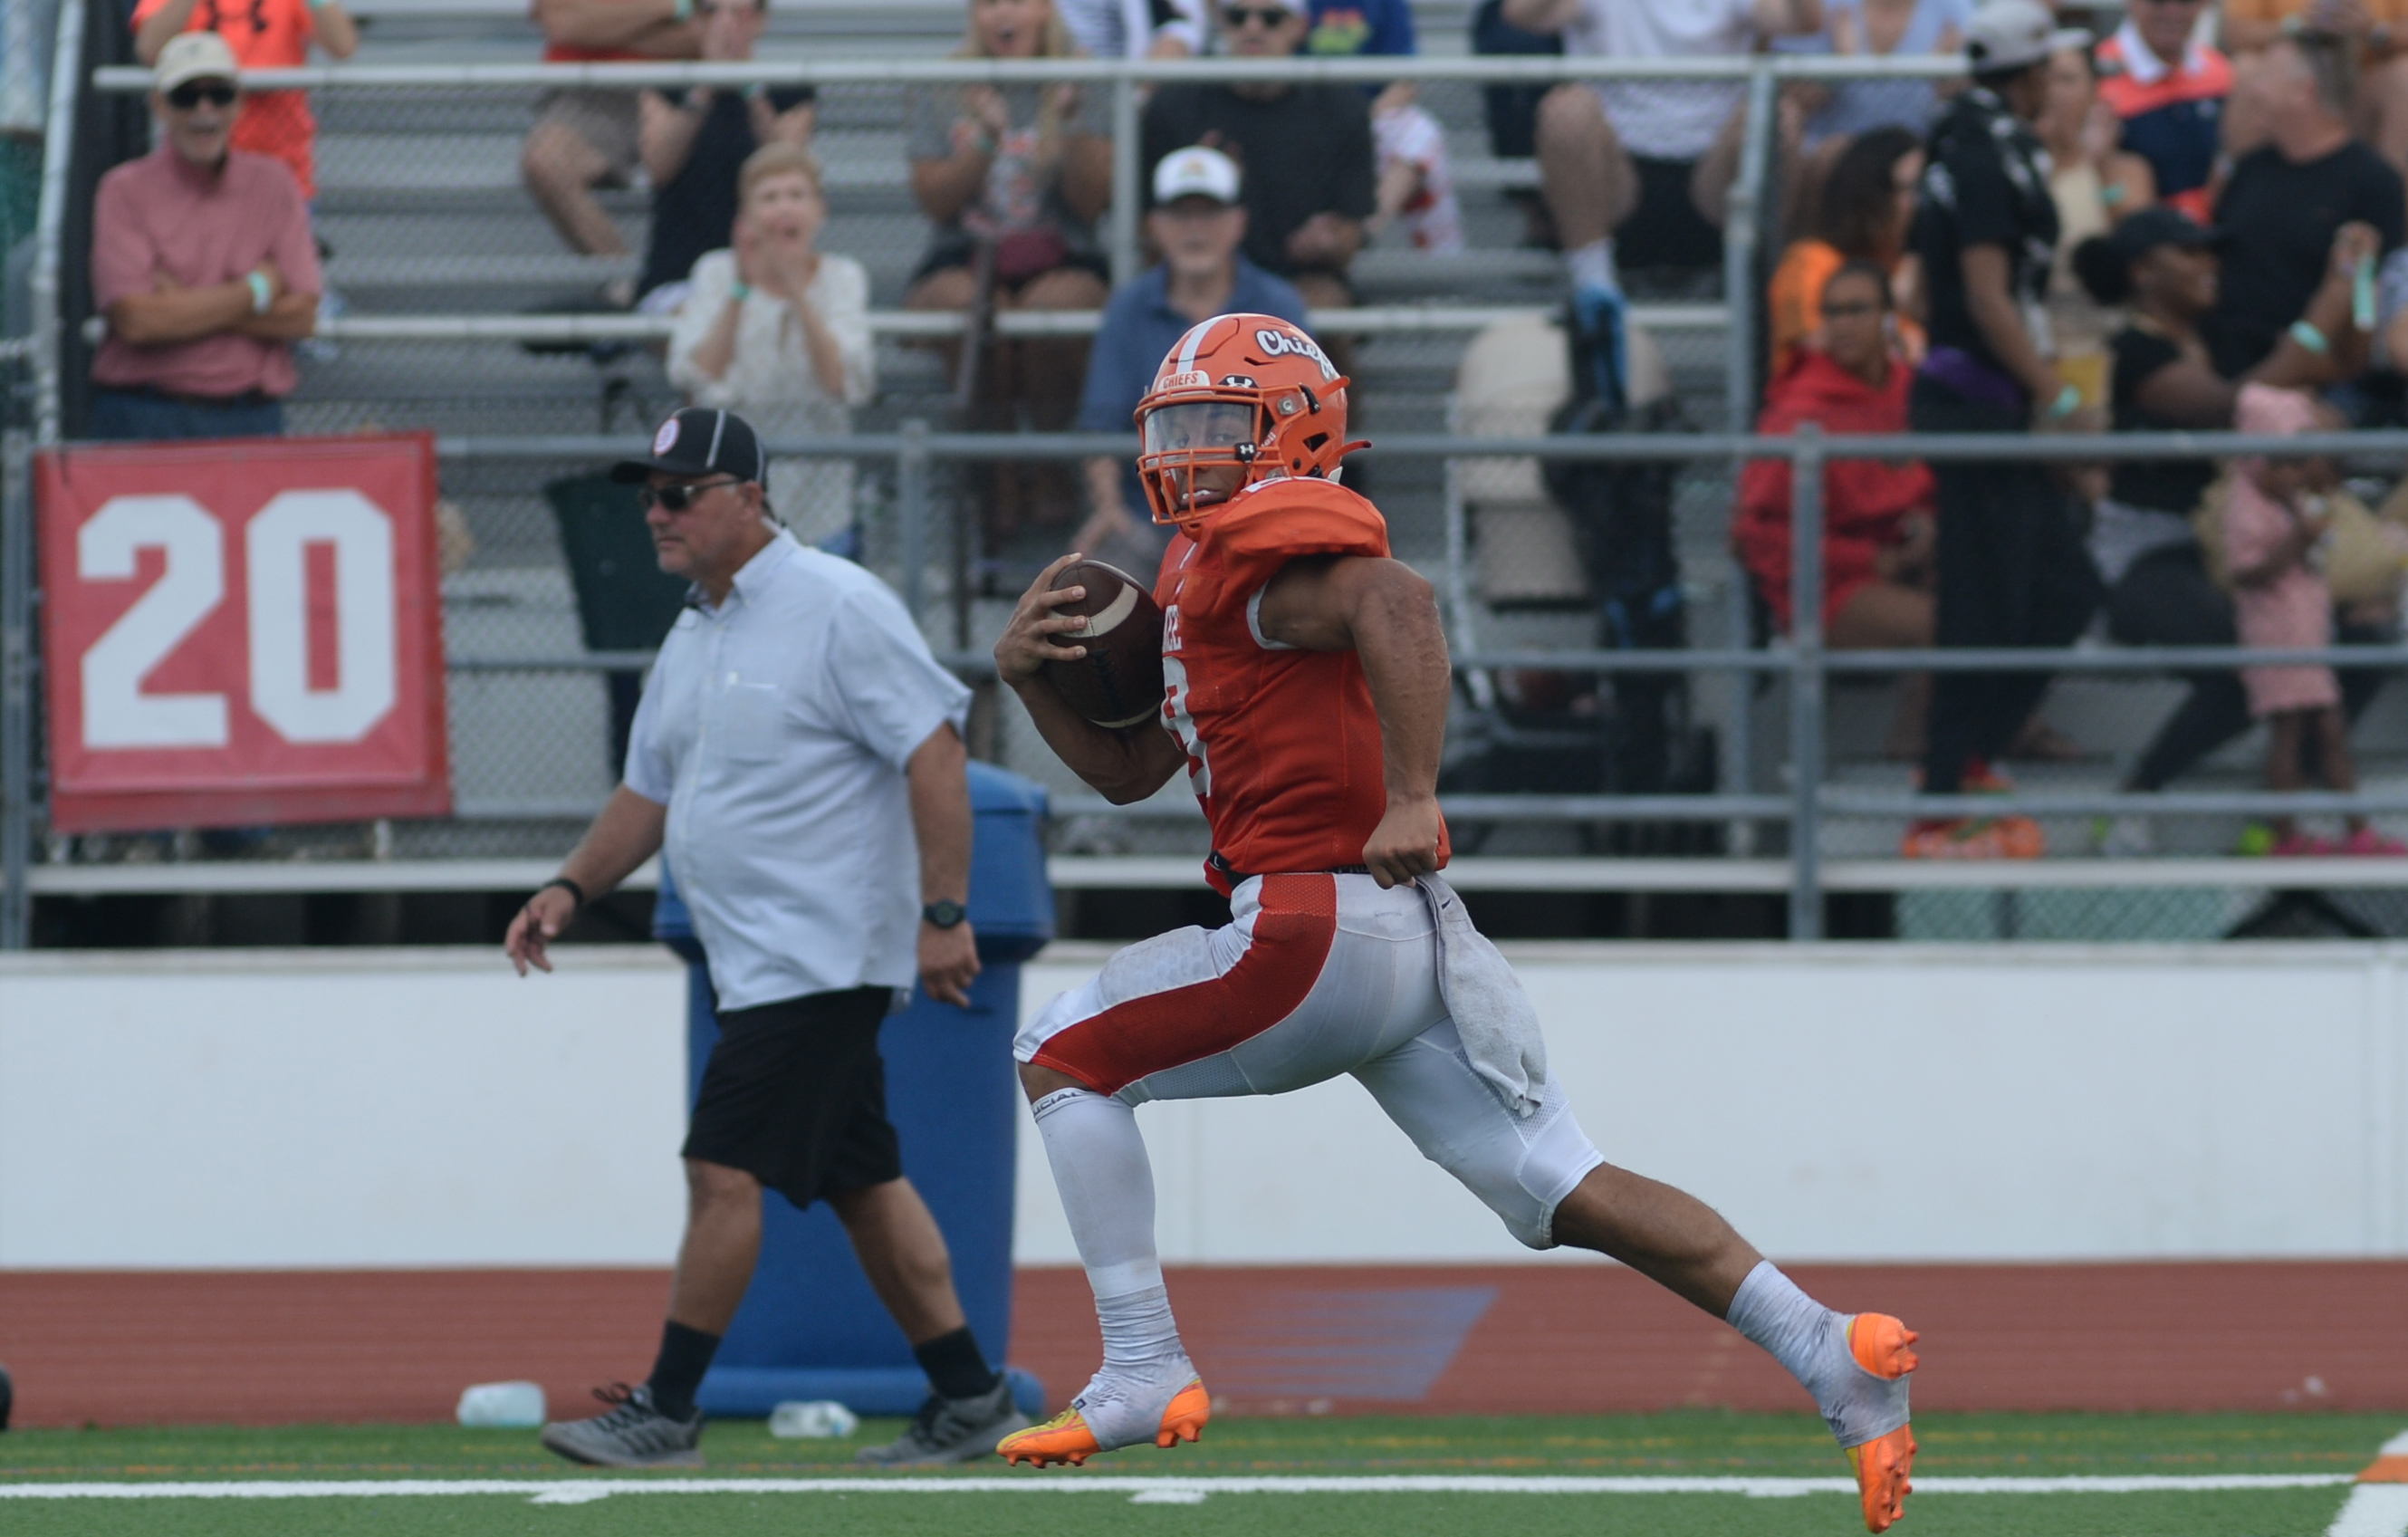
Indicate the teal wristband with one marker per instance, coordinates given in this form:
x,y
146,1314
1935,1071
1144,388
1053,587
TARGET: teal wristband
x,y
685,10
739,291
2068,401
261,294
2306,335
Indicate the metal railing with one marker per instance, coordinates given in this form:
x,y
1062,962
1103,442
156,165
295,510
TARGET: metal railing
x,y
1375,320
1124,78
1805,804
1804,661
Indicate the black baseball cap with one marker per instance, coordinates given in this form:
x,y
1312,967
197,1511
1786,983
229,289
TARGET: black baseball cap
x,y
700,442
2145,229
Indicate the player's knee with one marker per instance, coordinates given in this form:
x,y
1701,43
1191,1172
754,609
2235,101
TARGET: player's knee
x,y
714,1186
949,288
1523,1179
1569,117
550,161
1037,1081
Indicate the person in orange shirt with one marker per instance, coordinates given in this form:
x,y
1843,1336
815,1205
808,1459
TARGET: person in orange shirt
x,y
263,34
1861,215
2381,28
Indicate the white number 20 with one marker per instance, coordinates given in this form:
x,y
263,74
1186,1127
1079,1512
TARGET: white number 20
x,y
117,714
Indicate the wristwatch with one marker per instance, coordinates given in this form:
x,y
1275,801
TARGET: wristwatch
x,y
943,914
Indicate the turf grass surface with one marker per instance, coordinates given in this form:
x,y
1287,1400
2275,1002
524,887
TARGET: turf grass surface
x,y
1703,1443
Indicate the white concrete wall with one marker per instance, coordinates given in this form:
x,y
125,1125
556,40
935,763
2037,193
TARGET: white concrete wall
x,y
340,1108
426,1108
1867,1102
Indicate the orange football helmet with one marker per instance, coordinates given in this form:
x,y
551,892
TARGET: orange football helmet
x,y
1248,392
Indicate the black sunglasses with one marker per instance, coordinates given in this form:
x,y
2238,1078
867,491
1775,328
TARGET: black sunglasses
x,y
193,93
677,498
1236,17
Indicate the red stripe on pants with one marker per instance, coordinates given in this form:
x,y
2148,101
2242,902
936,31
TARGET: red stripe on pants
x,y
1293,933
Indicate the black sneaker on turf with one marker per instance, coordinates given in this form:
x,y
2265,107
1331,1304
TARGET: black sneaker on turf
x,y
951,1430
633,1434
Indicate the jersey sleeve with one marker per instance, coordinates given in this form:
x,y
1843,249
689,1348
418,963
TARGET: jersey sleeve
x,y
890,685
1265,529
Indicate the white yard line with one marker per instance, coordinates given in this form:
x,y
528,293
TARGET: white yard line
x,y
1165,1491
2377,1509
2373,1510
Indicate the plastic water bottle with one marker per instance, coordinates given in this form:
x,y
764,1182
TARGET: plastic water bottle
x,y
822,1419
503,1405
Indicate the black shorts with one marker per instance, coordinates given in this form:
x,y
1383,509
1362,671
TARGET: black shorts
x,y
1666,230
794,1095
952,248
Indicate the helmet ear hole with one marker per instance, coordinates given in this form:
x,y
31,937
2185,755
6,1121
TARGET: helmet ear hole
x,y
1312,444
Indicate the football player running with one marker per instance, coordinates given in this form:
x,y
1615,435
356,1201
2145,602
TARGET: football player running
x,y
1306,686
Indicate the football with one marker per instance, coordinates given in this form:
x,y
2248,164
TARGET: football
x,y
1118,684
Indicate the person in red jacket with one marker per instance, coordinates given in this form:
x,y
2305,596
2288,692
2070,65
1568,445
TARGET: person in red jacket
x,y
1876,515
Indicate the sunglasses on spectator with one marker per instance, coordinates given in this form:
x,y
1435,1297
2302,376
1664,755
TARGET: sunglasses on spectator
x,y
1843,309
1236,17
677,498
193,93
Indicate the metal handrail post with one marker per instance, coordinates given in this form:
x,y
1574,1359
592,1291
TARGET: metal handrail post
x,y
50,224
1739,224
1741,219
1463,629
911,501
1806,684
15,689
1127,170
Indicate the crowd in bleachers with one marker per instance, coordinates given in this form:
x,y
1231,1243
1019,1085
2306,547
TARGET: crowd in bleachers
x,y
2192,222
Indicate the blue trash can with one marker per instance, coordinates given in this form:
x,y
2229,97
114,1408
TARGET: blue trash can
x,y
810,1327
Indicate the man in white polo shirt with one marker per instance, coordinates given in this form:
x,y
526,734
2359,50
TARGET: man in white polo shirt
x,y
798,753
1629,161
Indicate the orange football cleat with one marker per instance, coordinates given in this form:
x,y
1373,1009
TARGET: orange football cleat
x,y
1884,1348
1066,1437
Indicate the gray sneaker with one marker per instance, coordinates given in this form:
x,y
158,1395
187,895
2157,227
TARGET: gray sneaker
x,y
951,1430
633,1434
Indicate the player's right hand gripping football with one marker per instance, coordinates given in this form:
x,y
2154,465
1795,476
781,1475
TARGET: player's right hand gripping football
x,y
1027,642
546,914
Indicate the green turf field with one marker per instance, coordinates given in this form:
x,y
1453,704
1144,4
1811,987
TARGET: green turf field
x,y
1260,1459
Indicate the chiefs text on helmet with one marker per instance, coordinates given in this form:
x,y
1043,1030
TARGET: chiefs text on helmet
x,y
1251,396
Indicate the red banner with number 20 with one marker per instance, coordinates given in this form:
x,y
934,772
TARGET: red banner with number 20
x,y
242,633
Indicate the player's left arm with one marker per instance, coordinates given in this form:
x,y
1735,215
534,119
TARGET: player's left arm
x,y
1386,613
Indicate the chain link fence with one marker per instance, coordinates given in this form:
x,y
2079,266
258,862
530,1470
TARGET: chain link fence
x,y
423,215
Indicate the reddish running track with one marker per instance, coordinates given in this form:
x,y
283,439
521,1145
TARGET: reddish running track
x,y
282,1347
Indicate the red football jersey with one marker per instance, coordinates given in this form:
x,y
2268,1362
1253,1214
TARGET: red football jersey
x,y
1282,745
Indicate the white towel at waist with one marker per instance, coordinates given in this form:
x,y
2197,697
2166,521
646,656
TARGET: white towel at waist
x,y
1493,1017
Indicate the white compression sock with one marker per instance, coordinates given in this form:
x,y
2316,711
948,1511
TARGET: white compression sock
x,y
1811,1341
1107,1187
1592,266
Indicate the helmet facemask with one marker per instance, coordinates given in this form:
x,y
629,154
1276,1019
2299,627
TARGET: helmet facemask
x,y
1180,438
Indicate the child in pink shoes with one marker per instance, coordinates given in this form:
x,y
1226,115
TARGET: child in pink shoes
x,y
2273,525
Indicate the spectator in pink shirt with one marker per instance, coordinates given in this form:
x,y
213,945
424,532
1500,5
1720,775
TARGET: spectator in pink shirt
x,y
203,262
